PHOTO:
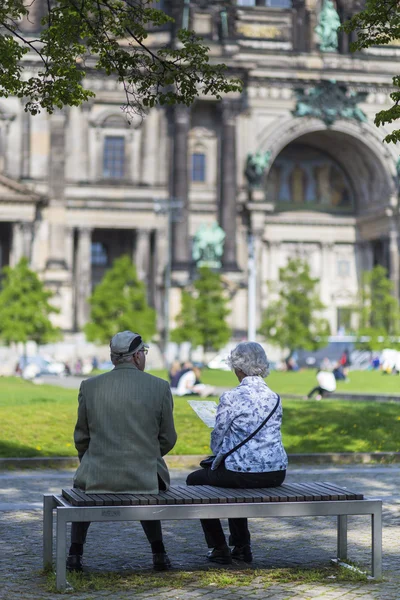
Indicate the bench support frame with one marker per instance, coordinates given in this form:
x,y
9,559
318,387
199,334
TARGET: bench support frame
x,y
66,513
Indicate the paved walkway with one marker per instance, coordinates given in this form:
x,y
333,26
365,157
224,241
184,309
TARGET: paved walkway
x,y
276,543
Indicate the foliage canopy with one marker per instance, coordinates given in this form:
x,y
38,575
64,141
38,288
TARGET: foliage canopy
x,y
292,321
379,311
379,24
79,37
119,303
25,307
202,320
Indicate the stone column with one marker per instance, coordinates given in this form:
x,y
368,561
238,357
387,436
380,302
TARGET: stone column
x,y
227,203
17,244
142,254
180,188
300,26
26,145
394,260
83,276
84,118
56,258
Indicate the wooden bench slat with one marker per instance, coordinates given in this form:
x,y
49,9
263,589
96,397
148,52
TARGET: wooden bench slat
x,y
287,492
85,497
277,494
333,494
171,498
215,494
198,496
177,491
350,495
316,494
136,500
322,493
302,495
182,490
123,499
72,497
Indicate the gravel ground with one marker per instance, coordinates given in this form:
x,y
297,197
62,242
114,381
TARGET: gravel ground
x,y
121,547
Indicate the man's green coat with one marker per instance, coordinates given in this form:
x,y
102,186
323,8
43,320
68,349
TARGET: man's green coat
x,y
125,425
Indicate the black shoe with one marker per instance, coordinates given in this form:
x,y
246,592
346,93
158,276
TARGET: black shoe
x,y
243,553
161,561
222,556
74,563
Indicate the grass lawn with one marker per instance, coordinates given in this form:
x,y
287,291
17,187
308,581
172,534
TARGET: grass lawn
x,y
303,381
39,420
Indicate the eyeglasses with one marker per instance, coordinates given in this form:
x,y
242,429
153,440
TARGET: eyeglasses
x,y
145,351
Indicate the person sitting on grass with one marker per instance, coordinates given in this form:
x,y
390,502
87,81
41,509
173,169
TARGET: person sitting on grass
x,y
189,383
125,426
326,384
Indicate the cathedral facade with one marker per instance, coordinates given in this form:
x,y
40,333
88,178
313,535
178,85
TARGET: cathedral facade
x,y
83,186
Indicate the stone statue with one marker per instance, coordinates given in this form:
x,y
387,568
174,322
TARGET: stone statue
x,y
330,101
256,165
208,246
328,24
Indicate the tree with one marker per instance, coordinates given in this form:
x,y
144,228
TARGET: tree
x,y
203,313
379,24
291,321
81,36
119,303
25,307
379,311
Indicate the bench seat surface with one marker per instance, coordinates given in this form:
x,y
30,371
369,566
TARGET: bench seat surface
x,y
203,494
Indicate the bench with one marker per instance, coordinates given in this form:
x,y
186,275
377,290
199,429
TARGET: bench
x,y
196,502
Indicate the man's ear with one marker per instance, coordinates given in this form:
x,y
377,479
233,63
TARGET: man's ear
x,y
135,359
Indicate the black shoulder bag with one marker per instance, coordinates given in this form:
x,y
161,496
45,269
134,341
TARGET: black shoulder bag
x,y
207,462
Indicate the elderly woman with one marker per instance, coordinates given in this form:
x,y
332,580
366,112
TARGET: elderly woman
x,y
260,462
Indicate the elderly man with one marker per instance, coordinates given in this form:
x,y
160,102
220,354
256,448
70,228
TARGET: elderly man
x,y
125,426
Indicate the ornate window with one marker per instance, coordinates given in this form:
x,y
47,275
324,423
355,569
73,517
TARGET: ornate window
x,y
303,177
198,166
99,254
114,157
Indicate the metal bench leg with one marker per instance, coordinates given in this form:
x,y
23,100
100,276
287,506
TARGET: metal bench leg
x,y
48,506
61,554
376,526
342,537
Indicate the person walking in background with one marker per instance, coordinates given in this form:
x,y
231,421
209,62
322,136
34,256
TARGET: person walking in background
x,y
250,413
125,426
326,383
345,359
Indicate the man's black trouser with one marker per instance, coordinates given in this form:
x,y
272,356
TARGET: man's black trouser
x,y
152,529
222,477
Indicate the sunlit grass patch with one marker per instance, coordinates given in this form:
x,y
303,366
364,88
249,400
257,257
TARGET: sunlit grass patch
x,y
217,578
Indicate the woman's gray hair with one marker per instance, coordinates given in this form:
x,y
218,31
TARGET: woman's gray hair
x,y
250,358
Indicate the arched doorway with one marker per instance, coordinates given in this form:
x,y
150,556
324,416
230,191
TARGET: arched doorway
x,y
304,177
331,194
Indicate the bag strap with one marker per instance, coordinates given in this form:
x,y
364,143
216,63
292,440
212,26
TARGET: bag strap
x,y
273,411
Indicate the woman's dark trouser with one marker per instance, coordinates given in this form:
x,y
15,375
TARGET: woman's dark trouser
x,y
222,477
152,529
